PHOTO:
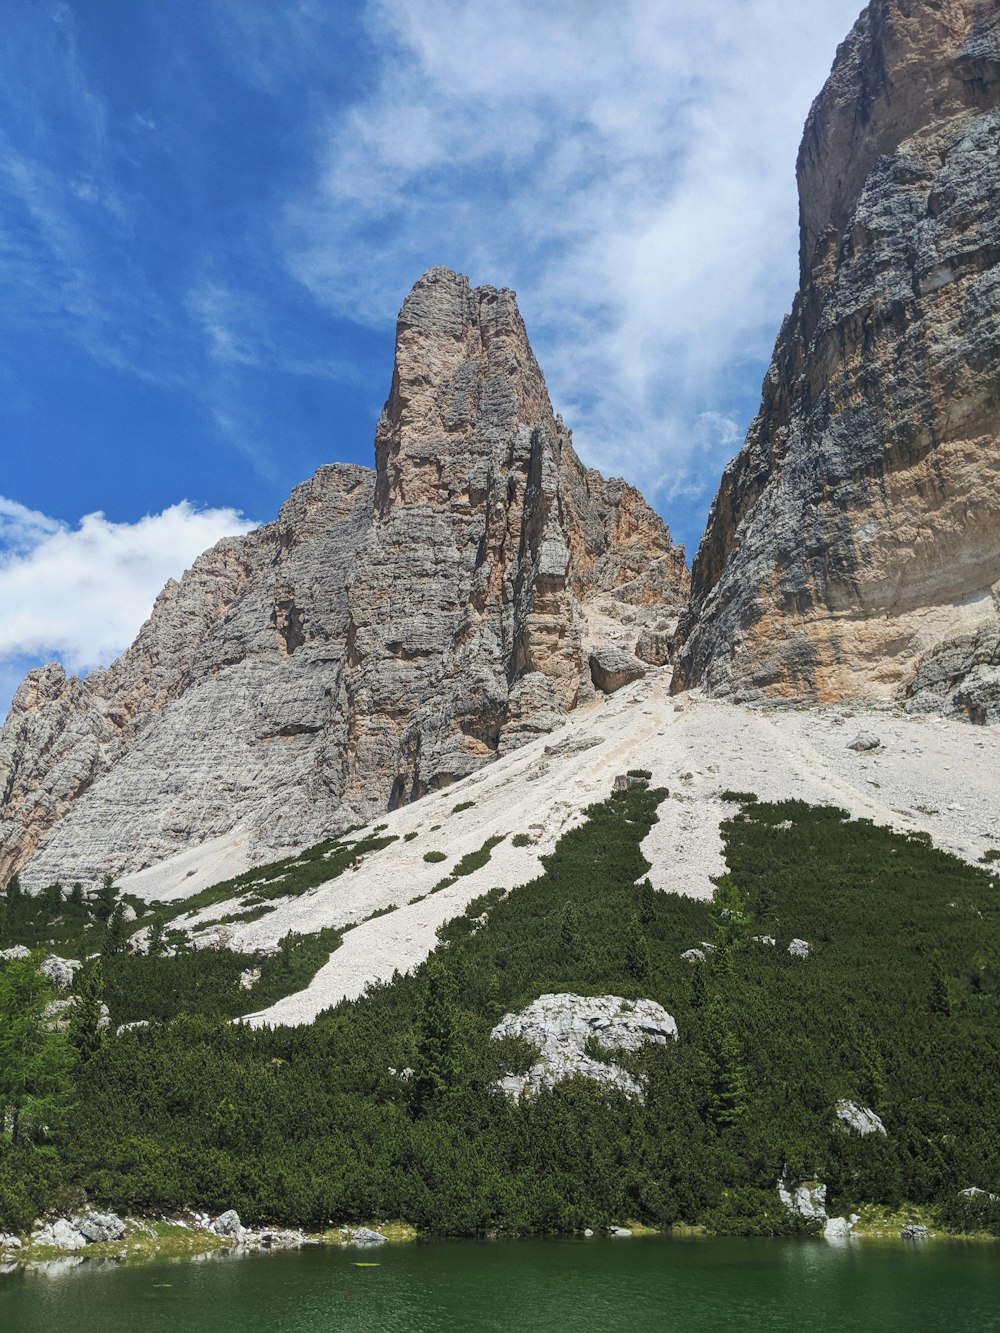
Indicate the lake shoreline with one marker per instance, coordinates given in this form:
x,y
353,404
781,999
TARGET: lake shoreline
x,y
147,1239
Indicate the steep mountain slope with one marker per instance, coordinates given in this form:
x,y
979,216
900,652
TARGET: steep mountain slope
x,y
391,632
853,550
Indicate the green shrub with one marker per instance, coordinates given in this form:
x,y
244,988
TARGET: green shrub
x,y
435,857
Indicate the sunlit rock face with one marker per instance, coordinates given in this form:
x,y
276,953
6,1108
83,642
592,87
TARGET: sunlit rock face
x,y
853,550
389,633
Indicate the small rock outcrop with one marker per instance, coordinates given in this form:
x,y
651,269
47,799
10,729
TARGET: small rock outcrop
x,y
800,948
228,1224
860,1119
391,632
914,1231
853,549
562,1026
807,1199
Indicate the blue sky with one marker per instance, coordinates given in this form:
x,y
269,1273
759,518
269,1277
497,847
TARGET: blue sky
x,y
210,212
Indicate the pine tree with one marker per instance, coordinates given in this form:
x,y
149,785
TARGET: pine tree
x,y
52,899
436,1067
35,1060
86,1034
647,903
116,935
636,956
76,895
940,997
14,891
569,931
727,1101
105,898
156,942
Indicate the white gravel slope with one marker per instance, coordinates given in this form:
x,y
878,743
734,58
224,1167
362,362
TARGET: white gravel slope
x,y
928,774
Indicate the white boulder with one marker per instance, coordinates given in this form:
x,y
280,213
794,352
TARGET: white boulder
x,y
562,1025
859,1118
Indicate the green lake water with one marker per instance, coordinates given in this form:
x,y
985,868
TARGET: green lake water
x,y
592,1285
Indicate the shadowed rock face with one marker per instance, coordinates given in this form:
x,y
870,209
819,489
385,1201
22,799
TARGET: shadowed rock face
x,y
858,529
391,631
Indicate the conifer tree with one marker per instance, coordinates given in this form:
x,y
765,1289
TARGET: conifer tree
x,y
86,1034
435,1070
636,957
116,935
727,1101
35,1059
569,930
156,942
105,898
940,997
14,891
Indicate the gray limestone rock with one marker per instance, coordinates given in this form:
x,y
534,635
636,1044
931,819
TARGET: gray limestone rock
x,y
837,1229
60,971
800,948
96,1227
612,668
914,1231
859,1118
391,632
858,527
365,1236
653,646
562,1026
864,740
62,1234
805,1198
228,1224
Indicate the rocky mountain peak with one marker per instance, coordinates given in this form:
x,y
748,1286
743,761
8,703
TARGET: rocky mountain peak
x,y
853,549
387,634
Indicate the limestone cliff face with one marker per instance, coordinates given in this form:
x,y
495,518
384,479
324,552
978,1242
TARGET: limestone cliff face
x,y
853,550
390,632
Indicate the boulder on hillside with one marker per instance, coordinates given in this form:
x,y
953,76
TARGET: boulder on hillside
x,y
561,1026
859,1118
653,646
865,740
613,668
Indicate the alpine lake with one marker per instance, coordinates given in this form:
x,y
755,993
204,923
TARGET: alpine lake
x,y
598,1284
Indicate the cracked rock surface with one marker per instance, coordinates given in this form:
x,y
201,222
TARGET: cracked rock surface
x,y
390,633
853,549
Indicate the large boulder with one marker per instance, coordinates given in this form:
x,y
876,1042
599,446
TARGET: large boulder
x,y
97,1227
613,668
61,1234
561,1026
228,1224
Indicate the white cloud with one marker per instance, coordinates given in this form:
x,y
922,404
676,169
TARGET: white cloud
x,y
628,168
81,594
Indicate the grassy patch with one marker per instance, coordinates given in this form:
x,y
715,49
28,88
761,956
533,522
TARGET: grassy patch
x,y
462,805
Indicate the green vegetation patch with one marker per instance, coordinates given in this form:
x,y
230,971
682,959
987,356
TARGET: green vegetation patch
x,y
896,1007
435,857
473,861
